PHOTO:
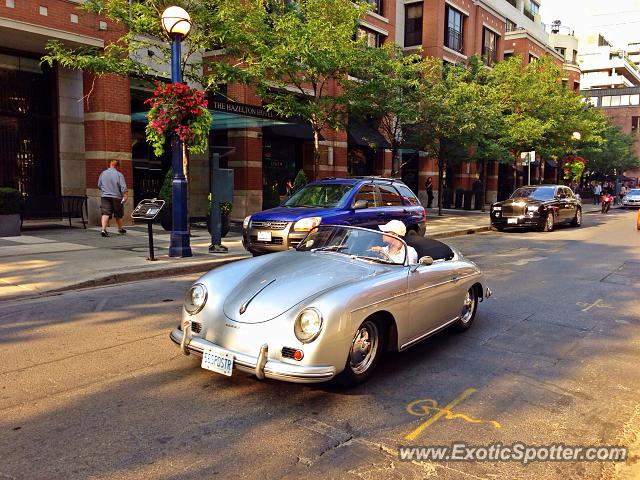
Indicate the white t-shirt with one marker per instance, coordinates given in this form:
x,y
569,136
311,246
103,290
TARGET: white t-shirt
x,y
398,257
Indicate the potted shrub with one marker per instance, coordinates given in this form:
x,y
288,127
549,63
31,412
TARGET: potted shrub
x,y
9,212
299,182
166,218
225,216
459,197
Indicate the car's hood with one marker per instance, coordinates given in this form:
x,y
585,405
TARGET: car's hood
x,y
289,278
521,202
291,214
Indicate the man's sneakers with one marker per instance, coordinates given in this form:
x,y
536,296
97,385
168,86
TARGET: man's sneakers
x,y
104,233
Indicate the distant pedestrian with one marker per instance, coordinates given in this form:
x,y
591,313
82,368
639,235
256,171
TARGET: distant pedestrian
x,y
429,188
289,188
597,191
616,191
113,195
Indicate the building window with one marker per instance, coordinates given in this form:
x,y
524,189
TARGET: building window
x,y
532,58
372,39
453,29
507,55
413,24
615,101
606,101
634,99
635,121
376,4
510,26
489,47
561,50
534,8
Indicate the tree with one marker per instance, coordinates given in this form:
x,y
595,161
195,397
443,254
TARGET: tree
x,y
387,93
615,155
301,57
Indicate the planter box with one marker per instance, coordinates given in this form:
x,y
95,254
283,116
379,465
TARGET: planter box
x,y
10,225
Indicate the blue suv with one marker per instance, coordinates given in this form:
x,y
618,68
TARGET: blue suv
x,y
363,202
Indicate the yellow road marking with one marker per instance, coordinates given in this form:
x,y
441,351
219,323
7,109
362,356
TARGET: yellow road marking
x,y
429,406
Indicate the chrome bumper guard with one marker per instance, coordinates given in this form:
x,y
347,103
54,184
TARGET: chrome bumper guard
x,y
261,365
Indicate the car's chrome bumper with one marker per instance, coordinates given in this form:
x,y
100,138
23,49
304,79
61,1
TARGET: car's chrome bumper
x,y
260,365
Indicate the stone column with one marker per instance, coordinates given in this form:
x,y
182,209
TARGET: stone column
x,y
247,164
107,135
73,174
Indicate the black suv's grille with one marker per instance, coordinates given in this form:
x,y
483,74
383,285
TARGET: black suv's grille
x,y
512,211
274,241
269,224
288,352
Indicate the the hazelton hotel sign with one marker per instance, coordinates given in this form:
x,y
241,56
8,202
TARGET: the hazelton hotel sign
x,y
242,109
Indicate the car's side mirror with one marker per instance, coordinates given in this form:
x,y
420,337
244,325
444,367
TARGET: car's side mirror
x,y
360,204
426,261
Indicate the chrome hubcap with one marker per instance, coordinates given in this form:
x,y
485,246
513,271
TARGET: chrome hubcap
x,y
467,307
579,217
363,347
550,221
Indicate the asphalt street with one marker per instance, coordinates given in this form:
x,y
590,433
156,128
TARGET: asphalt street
x,y
92,387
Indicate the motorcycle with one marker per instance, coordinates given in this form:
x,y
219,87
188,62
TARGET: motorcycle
x,y
607,200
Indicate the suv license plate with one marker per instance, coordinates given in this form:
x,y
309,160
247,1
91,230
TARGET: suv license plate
x,y
264,236
217,361
512,220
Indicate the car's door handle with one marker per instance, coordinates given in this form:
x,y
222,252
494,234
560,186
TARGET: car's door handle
x,y
381,214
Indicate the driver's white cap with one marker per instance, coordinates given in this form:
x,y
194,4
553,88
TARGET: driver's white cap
x,y
394,226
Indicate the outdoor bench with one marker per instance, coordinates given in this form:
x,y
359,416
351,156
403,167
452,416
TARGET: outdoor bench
x,y
44,207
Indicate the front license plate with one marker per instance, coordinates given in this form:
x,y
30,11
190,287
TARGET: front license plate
x,y
512,220
264,236
217,361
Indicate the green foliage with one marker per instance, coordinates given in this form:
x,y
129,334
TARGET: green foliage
x,y
225,207
9,201
300,181
166,191
573,168
615,155
178,110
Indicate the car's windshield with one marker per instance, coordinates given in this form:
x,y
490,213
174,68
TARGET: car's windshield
x,y
323,195
634,191
366,244
541,193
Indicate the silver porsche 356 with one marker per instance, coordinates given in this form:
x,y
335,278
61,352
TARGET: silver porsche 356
x,y
329,308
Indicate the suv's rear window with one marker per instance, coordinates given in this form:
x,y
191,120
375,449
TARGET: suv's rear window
x,y
407,193
325,195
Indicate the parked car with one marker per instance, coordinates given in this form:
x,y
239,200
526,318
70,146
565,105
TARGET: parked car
x,y
632,198
540,206
327,309
363,202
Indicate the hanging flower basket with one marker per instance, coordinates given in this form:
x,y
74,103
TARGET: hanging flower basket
x,y
573,168
176,108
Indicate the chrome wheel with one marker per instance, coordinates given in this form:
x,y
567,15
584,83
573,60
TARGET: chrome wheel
x,y
364,347
577,221
468,307
550,222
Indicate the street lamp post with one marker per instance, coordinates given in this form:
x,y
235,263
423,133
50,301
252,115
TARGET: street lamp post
x,y
177,23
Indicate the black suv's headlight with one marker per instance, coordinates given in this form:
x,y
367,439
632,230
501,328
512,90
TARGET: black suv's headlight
x,y
195,299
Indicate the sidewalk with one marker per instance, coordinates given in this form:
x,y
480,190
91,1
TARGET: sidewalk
x,y
47,260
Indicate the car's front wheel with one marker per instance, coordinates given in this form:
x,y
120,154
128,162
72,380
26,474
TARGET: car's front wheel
x,y
468,312
549,222
364,354
577,220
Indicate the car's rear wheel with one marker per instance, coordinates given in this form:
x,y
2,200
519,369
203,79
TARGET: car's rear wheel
x,y
497,228
364,354
577,220
468,312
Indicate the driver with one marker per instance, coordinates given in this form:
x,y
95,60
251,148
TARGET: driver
x,y
394,248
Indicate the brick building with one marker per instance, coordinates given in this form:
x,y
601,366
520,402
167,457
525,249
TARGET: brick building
x,y
59,128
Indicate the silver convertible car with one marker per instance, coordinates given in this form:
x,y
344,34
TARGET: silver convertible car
x,y
329,308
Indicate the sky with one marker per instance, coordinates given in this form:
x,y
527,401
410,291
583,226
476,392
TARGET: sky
x,y
617,20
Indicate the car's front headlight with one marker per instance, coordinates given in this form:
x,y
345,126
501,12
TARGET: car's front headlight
x,y
496,208
308,325
306,224
195,299
533,208
245,223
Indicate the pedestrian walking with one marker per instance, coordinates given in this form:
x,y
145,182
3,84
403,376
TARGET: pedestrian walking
x,y
113,195
429,188
597,191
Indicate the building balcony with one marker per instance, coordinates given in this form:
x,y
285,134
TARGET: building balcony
x,y
453,40
529,14
513,2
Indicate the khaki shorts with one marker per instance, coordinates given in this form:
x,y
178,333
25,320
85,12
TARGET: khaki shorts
x,y
112,207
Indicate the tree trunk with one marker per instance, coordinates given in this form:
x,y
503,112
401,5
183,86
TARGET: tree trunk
x,y
483,179
395,162
316,154
440,175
